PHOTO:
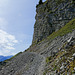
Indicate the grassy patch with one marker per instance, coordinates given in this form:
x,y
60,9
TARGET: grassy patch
x,y
69,27
48,59
44,73
55,67
64,30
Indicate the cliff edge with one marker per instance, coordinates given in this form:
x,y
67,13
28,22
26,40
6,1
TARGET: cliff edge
x,y
51,16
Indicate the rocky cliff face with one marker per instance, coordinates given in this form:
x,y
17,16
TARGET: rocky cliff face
x,y
51,16
53,43
53,49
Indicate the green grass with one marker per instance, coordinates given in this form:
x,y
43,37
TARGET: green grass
x,y
48,59
44,73
69,27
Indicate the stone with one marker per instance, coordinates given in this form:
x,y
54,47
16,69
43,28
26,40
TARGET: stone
x,y
73,55
62,67
74,68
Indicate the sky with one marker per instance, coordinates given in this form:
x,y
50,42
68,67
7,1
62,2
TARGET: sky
x,y
17,19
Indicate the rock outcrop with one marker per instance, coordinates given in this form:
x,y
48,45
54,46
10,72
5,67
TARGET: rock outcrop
x,y
51,16
50,47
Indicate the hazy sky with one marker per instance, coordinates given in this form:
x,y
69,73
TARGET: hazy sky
x,y
17,18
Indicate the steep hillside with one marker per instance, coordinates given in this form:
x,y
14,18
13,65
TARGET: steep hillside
x,y
53,47
55,41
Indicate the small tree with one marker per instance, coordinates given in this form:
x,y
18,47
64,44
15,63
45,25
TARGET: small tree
x,y
40,2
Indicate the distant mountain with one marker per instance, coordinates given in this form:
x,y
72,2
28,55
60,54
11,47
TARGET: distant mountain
x,y
2,58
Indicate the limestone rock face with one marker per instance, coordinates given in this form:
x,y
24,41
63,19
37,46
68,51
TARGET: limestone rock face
x,y
51,16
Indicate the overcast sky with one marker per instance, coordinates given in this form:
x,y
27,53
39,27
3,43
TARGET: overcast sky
x,y
17,18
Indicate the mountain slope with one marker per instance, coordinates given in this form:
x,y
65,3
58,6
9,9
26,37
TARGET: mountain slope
x,y
29,63
54,42
53,47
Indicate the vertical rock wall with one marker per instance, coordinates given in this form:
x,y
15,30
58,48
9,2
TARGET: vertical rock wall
x,y
51,16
